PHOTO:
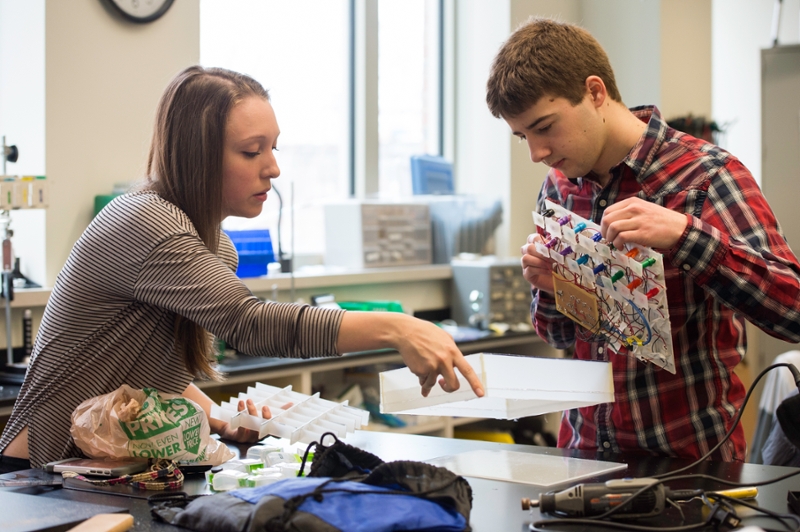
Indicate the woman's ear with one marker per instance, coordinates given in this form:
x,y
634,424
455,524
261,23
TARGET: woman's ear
x,y
596,90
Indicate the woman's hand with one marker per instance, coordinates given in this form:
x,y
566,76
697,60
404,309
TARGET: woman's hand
x,y
429,352
426,349
241,434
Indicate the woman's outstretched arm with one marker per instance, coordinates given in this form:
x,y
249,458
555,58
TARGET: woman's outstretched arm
x,y
427,350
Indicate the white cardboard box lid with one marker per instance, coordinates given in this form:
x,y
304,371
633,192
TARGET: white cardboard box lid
x,y
515,386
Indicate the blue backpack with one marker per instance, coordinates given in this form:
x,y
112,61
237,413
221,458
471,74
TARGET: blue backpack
x,y
347,489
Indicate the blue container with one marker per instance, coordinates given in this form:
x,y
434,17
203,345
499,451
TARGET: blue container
x,y
255,251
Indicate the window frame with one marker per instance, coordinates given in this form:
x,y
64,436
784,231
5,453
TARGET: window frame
x,y
363,100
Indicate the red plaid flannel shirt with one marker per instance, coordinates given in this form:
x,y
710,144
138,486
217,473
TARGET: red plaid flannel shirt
x,y
732,262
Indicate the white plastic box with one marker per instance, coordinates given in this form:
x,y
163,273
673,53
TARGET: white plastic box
x,y
515,386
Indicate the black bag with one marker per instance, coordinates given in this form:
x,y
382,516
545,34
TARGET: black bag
x,y
346,489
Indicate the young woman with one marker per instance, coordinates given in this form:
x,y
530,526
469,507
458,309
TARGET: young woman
x,y
153,275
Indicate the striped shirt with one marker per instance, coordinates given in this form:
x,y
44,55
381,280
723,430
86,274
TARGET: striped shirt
x,y
111,316
732,262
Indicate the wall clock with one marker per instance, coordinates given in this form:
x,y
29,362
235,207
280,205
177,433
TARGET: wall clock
x,y
141,11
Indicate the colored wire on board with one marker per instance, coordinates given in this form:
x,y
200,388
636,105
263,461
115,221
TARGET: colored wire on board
x,y
644,320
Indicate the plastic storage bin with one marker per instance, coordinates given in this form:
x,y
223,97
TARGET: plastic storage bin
x,y
255,251
515,386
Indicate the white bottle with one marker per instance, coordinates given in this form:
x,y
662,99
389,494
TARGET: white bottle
x,y
260,452
245,465
229,479
281,458
290,470
254,481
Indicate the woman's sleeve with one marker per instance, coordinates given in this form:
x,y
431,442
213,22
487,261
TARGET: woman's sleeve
x,y
181,275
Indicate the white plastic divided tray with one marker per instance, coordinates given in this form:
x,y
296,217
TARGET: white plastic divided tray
x,y
515,386
306,420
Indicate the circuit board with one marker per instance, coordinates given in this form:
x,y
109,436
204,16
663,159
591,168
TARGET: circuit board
x,y
619,294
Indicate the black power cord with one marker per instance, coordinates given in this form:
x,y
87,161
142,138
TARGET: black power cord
x,y
720,514
735,423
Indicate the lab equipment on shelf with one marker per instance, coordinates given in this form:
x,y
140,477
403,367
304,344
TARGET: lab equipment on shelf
x,y
490,290
372,234
16,192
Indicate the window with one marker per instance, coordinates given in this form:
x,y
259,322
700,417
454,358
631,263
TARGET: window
x,y
408,89
301,52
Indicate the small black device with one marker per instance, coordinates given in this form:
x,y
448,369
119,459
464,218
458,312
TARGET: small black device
x,y
194,469
97,467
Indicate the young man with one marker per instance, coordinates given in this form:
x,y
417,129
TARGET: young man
x,y
725,257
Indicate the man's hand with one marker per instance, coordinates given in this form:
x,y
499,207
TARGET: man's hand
x,y
243,435
536,268
635,221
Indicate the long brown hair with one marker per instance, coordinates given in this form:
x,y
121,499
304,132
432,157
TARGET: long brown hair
x,y
185,168
544,57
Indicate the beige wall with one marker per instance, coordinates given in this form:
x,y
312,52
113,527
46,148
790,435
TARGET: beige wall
x,y
647,72
481,161
686,58
103,78
628,30
526,177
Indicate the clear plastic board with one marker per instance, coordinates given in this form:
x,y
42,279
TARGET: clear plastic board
x,y
617,294
526,468
514,386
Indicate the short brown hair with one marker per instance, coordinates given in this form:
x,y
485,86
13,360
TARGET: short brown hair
x,y
545,57
185,168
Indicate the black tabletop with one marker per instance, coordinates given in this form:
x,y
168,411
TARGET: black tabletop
x,y
496,504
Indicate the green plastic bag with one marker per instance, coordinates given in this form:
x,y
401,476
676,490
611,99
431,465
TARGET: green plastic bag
x,y
145,424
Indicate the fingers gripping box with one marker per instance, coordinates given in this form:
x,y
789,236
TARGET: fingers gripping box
x,y
515,386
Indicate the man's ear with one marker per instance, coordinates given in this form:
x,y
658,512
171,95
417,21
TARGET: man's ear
x,y
596,90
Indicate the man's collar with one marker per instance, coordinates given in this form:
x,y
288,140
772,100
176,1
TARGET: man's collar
x,y
645,149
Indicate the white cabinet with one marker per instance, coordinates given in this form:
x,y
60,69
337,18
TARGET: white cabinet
x,y
780,155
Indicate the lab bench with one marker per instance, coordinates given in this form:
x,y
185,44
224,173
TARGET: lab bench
x,y
496,503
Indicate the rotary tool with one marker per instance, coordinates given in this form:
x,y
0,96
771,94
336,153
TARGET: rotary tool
x,y
585,500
